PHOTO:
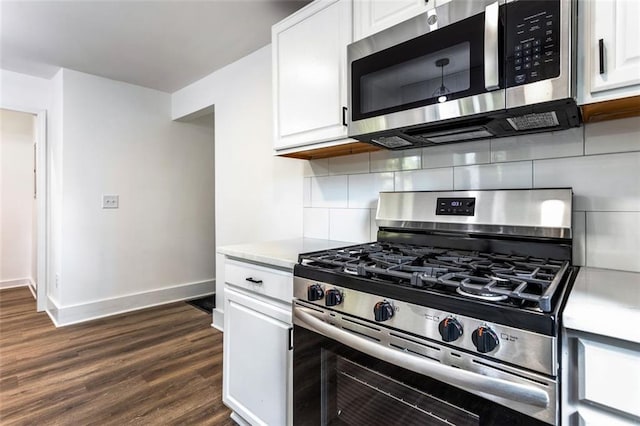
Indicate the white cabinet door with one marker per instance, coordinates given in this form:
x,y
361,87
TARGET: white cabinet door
x,y
309,74
603,365
372,16
257,359
610,54
600,380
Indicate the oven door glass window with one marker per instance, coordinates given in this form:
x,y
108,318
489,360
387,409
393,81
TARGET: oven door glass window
x,y
362,396
439,66
337,385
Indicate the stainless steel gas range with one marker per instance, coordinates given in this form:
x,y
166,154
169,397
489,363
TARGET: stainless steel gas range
x,y
451,317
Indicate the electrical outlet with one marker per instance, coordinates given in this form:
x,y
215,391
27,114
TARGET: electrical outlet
x,y
57,280
110,201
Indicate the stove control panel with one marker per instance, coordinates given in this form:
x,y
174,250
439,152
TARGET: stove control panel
x,y
456,206
536,352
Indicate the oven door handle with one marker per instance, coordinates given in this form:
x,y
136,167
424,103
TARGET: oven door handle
x,y
491,47
468,380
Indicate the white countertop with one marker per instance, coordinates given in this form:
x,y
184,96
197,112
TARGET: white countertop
x,y
605,302
281,253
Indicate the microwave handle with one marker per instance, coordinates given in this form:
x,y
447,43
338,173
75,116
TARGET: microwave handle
x,y
491,46
454,376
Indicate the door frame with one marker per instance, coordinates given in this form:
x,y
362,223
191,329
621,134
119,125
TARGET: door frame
x,y
42,197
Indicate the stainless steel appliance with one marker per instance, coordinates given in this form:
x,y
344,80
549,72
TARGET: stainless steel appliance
x,y
469,69
450,317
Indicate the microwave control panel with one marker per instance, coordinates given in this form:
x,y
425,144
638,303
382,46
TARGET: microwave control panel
x,y
532,41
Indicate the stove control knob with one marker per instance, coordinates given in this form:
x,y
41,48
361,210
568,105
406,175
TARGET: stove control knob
x,y
382,311
450,329
484,339
315,292
333,297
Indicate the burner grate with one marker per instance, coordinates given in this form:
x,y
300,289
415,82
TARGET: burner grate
x,y
500,278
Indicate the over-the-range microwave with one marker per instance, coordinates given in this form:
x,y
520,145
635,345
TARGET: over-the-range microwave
x,y
469,69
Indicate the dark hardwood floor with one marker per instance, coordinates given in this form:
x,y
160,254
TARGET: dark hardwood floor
x,y
158,366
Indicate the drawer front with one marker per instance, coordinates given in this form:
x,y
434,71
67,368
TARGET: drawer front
x,y
610,376
259,279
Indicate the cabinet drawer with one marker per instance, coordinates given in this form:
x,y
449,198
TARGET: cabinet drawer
x,y
259,279
610,376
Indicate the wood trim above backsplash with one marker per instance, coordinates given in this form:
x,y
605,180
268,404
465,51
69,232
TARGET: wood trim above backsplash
x,y
333,151
611,110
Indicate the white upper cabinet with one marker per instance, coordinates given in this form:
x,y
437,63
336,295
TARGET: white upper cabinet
x,y
309,74
372,16
609,51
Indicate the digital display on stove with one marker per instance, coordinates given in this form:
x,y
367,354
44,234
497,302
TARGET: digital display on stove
x,y
456,206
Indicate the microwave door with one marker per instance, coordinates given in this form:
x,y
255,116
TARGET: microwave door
x,y
446,66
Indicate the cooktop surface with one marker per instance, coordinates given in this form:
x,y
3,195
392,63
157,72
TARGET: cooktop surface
x,y
518,281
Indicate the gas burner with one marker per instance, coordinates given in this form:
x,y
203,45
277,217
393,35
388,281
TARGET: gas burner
x,y
477,287
350,269
460,260
422,251
424,271
350,255
363,249
489,266
390,259
500,281
489,297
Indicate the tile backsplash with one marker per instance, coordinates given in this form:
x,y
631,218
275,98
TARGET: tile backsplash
x,y
600,161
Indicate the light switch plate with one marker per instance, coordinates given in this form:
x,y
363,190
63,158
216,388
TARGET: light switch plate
x,y
110,201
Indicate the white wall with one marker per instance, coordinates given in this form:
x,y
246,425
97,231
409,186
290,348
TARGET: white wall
x,y
110,137
21,91
120,139
17,207
258,195
600,161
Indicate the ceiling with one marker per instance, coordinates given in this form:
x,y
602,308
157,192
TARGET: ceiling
x,y
160,44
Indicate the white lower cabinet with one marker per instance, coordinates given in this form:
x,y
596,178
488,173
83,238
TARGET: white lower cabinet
x,y
601,382
257,369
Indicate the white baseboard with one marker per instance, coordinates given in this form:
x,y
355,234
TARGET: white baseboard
x,y
32,288
238,419
21,282
67,315
218,319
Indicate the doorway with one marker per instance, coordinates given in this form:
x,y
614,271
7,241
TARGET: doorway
x,y
22,202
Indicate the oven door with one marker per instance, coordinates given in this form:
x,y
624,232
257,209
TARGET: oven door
x,y
351,378
440,65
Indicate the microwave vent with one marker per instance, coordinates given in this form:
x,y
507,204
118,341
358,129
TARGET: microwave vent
x,y
391,142
459,136
534,121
